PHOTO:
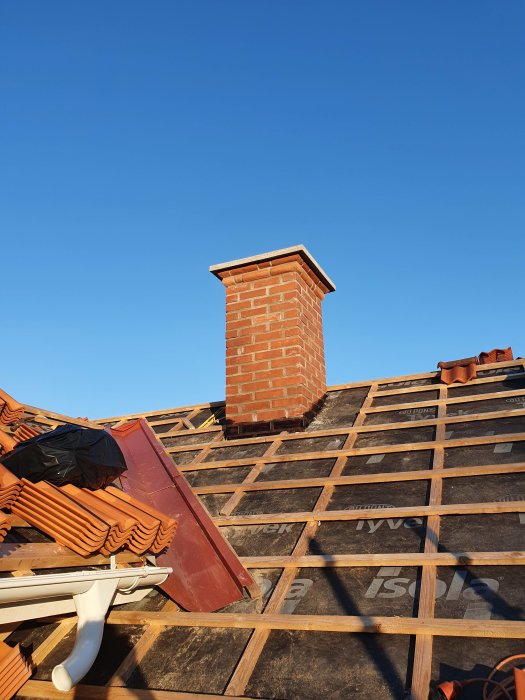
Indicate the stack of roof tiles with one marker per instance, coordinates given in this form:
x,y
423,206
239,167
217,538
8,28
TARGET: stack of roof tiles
x,y
91,521
14,670
464,370
10,487
11,410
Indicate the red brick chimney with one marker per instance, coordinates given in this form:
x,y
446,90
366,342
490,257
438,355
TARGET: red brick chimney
x,y
275,369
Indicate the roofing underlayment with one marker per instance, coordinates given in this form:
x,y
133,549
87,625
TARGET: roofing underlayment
x,y
387,539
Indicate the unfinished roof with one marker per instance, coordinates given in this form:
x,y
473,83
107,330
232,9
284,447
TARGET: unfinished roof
x,y
386,539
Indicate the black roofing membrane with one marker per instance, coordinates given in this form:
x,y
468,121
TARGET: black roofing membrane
x,y
183,458
313,444
486,388
315,665
487,488
213,502
459,658
480,592
403,415
388,462
354,591
255,449
395,437
479,428
340,408
411,397
278,501
298,469
186,438
170,414
218,477
482,533
274,539
392,494
408,383
509,403
191,659
370,536
490,453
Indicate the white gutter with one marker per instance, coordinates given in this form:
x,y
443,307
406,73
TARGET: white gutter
x,y
92,593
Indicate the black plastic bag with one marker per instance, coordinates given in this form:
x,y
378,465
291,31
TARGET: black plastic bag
x,y
85,457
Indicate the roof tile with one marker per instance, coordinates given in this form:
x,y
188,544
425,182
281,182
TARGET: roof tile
x,y
496,355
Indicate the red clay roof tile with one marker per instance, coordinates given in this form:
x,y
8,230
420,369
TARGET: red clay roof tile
x,y
496,355
459,373
14,670
11,410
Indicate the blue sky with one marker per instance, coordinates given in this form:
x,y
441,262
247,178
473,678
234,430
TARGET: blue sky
x,y
142,142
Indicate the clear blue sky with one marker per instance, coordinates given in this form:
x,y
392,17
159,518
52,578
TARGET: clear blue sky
x,y
143,141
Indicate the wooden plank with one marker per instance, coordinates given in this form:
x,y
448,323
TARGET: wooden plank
x,y
322,561
47,691
350,452
427,596
428,375
363,429
475,398
43,555
379,477
371,513
446,627
160,412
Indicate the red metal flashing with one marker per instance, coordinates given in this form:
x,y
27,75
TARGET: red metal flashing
x,y
496,355
207,575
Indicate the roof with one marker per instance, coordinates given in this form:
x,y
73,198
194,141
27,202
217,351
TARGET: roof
x,y
388,531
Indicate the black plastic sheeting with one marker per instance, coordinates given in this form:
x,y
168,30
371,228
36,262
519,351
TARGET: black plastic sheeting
x,y
86,457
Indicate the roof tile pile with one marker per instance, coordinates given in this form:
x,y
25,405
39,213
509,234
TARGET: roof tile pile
x,y
14,670
464,370
11,411
10,487
24,432
90,521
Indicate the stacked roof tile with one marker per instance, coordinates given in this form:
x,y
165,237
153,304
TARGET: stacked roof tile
x,y
464,370
10,487
11,411
25,432
14,670
90,521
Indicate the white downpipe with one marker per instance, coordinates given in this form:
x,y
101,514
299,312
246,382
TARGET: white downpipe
x,y
92,607
92,592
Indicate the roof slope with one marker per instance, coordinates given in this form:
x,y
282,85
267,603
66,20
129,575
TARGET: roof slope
x,y
396,515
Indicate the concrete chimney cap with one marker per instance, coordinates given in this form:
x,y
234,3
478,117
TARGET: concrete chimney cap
x,y
282,252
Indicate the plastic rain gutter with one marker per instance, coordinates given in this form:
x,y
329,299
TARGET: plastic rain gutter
x,y
92,593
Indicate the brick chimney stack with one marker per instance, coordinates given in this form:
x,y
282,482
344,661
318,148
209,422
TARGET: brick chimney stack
x,y
275,368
